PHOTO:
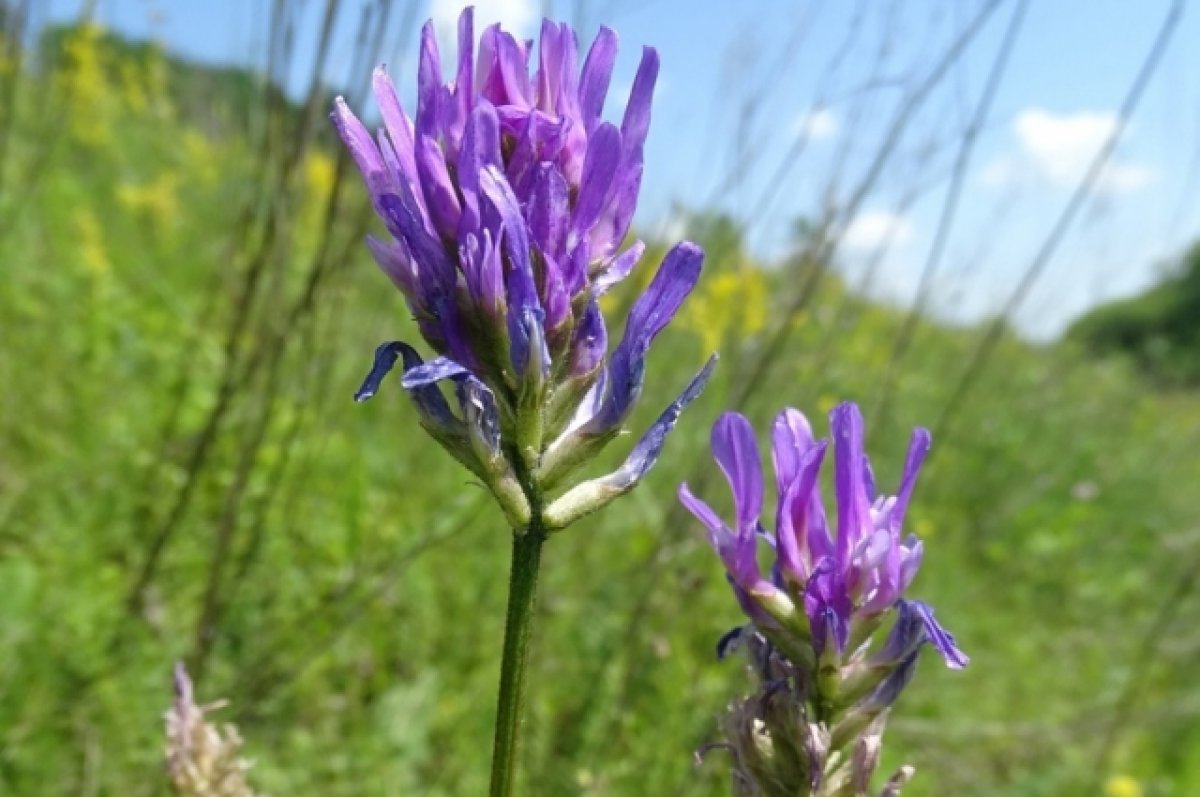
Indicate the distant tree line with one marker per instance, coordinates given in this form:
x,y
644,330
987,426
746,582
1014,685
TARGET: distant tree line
x,y
1159,329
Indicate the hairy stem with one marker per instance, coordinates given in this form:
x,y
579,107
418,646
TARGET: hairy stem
x,y
518,628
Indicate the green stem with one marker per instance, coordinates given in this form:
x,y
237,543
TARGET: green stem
x,y
518,628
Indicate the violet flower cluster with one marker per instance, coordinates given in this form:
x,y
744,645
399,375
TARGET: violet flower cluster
x,y
816,725
508,197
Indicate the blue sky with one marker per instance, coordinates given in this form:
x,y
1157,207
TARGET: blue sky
x,y
741,83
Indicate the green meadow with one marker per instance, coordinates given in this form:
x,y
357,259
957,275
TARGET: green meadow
x,y
187,310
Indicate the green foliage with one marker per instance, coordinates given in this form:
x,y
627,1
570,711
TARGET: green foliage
x,y
159,269
1159,330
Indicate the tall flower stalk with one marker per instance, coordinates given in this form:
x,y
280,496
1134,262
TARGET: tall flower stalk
x,y
827,676
508,198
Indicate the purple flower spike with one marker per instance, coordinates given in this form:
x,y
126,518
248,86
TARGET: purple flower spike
x,y
846,582
508,197
827,677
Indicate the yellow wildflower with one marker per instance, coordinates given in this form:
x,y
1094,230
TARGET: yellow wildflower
x,y
1123,786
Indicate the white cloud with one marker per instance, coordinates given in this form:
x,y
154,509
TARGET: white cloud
x,y
816,124
517,16
1058,149
872,229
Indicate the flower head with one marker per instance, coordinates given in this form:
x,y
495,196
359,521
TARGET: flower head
x,y
202,760
507,198
814,612
849,575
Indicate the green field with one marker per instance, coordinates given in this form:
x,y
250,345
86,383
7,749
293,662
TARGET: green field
x,y
186,313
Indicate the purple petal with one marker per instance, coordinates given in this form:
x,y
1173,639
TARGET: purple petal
x,y
912,552
511,59
526,318
590,405
732,640
489,83
548,80
535,134
397,180
404,220
436,272
792,522
527,335
868,476
589,342
522,291
872,549
478,405
396,122
362,149
650,314
820,544
429,84
889,689
613,224
737,551
393,259
643,456
704,513
828,606
437,369
575,267
453,327
566,104
736,453
918,449
431,404
440,196
555,297
610,230
599,168
854,517
480,149
636,123
655,308
941,639
464,88
483,273
548,211
385,360
791,438
907,635
595,77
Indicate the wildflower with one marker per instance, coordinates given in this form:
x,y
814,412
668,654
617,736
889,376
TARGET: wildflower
x,y
827,684
507,198
202,760
1123,786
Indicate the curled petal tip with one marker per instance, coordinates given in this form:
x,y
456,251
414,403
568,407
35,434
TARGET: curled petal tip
x,y
386,355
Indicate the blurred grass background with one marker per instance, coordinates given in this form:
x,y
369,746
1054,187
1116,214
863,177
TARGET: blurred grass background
x,y
187,309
